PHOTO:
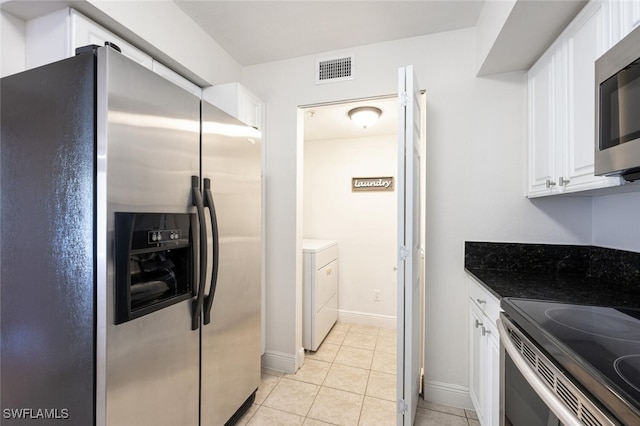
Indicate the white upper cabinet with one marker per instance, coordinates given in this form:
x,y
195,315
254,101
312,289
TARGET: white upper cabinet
x,y
583,42
237,101
176,78
83,32
624,16
631,15
47,39
543,140
562,108
57,35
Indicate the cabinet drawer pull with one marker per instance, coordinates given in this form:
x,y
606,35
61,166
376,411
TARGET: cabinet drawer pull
x,y
481,301
485,331
549,183
478,323
563,182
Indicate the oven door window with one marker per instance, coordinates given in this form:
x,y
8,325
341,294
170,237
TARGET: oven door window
x,y
523,407
620,107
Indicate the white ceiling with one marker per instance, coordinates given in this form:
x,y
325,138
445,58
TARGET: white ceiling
x,y
255,32
332,121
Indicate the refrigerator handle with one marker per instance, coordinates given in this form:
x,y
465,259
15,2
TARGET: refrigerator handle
x,y
208,202
197,201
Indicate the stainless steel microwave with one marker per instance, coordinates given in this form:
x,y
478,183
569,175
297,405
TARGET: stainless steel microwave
x,y
617,150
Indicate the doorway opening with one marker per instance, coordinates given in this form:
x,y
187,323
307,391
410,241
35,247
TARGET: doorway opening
x,y
340,157
335,183
337,152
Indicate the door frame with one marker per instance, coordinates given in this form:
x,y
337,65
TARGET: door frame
x,y
301,109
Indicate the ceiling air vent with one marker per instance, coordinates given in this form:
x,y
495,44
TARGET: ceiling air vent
x,y
338,68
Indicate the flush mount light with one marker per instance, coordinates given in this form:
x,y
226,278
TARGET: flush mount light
x,y
365,116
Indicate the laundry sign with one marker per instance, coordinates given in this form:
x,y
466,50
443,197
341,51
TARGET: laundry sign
x,y
372,184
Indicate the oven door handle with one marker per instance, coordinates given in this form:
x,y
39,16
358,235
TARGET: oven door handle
x,y
564,414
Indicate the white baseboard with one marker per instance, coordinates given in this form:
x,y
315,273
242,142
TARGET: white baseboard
x,y
300,360
447,394
280,361
353,317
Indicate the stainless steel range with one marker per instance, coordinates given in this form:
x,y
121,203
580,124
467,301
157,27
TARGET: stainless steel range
x,y
569,364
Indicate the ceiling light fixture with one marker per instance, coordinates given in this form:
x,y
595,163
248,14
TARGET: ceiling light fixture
x,y
365,116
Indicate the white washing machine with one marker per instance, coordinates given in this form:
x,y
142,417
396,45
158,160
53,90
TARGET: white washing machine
x,y
320,290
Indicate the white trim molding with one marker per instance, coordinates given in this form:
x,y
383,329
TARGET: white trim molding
x,y
447,394
300,359
280,361
353,317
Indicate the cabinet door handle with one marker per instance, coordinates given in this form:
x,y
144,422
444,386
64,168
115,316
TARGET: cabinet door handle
x,y
485,331
563,182
478,324
481,301
549,183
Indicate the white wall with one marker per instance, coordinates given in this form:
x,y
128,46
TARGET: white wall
x,y
476,147
363,223
616,223
12,48
492,19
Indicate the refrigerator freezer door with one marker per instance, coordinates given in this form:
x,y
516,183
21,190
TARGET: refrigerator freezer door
x,y
47,237
231,341
148,149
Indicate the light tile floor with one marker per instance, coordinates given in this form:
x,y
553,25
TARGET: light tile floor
x,y
349,380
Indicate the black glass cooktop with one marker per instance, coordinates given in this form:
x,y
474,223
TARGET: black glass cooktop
x,y
598,346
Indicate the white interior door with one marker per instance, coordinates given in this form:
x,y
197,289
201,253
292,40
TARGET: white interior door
x,y
408,374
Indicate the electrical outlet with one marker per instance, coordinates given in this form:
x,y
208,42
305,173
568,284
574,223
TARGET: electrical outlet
x,y
376,295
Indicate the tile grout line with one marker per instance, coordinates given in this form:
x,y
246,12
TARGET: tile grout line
x,y
321,384
317,393
364,395
331,364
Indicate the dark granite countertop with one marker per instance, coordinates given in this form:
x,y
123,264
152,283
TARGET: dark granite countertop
x,y
568,274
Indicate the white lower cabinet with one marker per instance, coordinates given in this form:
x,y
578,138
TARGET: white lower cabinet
x,y
484,357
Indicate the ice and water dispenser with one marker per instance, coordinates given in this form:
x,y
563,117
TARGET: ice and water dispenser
x,y
154,262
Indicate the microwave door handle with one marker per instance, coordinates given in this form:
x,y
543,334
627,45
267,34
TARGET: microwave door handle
x,y
197,201
208,200
563,413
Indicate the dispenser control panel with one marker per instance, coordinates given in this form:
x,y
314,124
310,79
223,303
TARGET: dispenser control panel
x,y
163,235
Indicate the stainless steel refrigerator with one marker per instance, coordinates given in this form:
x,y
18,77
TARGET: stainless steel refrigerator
x,y
130,249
